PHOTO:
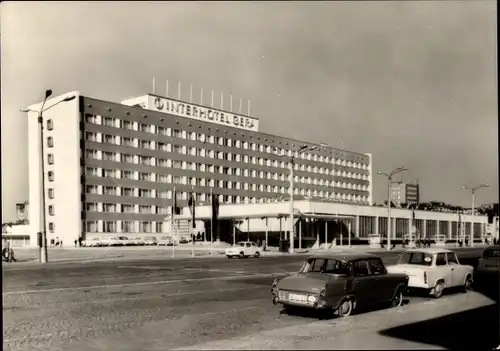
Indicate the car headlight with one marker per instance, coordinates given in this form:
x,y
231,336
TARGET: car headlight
x,y
312,299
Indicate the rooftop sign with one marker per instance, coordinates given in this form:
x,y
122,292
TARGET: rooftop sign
x,y
188,110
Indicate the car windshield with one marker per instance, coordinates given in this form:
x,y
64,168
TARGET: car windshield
x,y
323,265
492,253
241,244
417,258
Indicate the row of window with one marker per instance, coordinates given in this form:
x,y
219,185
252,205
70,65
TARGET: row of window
x,y
194,181
165,162
182,134
123,227
182,195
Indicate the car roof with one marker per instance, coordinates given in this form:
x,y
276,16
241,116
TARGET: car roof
x,y
430,250
344,256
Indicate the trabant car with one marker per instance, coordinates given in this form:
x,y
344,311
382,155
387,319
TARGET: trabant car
x,y
340,282
150,240
243,249
92,242
433,269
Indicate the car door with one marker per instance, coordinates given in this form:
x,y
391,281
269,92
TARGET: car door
x,y
248,249
254,248
456,271
363,284
443,270
382,286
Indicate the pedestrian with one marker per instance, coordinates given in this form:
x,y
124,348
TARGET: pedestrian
x,y
11,256
264,245
80,240
75,242
52,242
258,243
61,243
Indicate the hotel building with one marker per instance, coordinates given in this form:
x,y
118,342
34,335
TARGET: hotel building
x,y
111,168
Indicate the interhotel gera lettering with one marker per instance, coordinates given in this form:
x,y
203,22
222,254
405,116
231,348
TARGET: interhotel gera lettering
x,y
184,109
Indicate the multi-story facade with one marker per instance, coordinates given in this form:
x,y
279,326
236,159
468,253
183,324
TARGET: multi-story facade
x,y
407,193
112,167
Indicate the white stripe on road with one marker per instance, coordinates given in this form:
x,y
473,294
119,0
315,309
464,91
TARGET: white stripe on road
x,y
257,275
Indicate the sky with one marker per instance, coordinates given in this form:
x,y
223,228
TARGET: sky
x,y
413,82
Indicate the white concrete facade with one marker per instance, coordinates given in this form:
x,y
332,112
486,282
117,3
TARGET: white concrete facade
x,y
64,218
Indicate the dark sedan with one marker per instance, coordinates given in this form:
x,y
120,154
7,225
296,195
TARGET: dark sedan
x,y
487,272
340,282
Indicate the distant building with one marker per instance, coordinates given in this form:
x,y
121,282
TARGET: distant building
x,y
407,193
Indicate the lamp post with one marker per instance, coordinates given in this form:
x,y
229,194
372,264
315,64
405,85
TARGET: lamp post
x,y
291,164
43,231
473,191
389,182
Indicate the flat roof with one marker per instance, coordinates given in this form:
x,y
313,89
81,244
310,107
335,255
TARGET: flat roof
x,y
268,215
430,250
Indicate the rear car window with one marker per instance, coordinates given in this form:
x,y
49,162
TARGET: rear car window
x,y
491,253
417,258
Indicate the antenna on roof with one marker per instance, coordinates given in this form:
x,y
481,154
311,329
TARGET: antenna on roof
x,y
166,89
241,100
201,96
191,93
154,85
212,98
231,103
221,100
248,108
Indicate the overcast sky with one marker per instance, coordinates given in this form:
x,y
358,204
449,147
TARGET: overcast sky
x,y
413,83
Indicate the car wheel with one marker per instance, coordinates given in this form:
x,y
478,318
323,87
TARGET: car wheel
x,y
229,256
257,254
397,300
438,289
345,309
242,254
468,284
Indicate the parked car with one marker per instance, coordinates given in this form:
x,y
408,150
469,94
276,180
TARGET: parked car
x,y
488,268
92,242
167,241
113,241
434,270
137,241
150,240
340,282
243,249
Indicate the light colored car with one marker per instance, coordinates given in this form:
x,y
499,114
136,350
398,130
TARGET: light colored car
x,y
433,269
166,241
138,241
150,240
92,242
243,249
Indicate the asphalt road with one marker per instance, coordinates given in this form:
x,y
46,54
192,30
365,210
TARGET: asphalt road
x,y
153,304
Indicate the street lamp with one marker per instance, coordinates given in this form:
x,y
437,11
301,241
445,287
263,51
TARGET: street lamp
x,y
43,233
473,190
292,162
389,182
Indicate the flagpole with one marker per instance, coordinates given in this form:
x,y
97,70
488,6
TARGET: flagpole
x,y
211,220
458,227
191,223
173,223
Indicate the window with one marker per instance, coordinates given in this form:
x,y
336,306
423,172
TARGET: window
x,y
361,268
91,226
51,193
50,159
452,258
90,136
50,124
338,267
109,227
127,208
441,259
52,227
109,139
128,125
108,156
159,227
376,266
127,227
128,175
127,192
50,175
91,207
51,210
110,190
109,207
92,189
145,227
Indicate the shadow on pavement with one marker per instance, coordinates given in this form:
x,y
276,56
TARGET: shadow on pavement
x,y
474,329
